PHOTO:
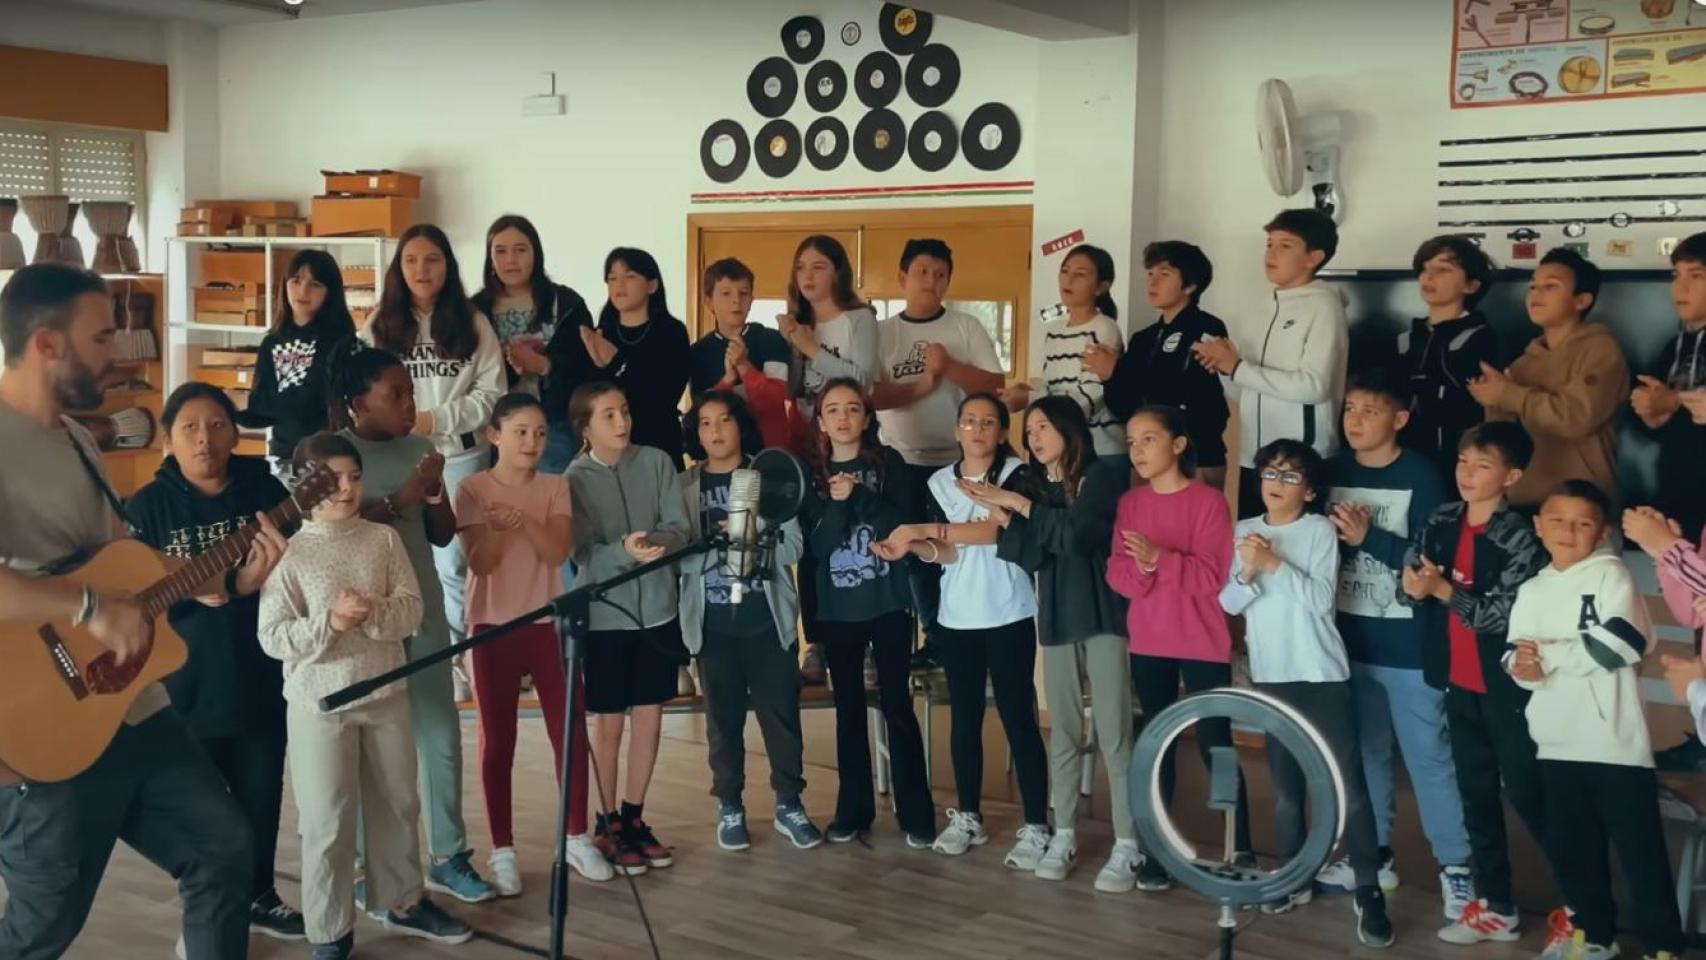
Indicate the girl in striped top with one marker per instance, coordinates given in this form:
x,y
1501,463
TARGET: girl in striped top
x,y
1090,321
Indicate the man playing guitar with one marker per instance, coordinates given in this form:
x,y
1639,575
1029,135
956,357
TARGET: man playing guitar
x,y
153,787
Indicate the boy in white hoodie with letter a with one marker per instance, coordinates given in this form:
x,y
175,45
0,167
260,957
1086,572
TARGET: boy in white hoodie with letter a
x,y
1578,633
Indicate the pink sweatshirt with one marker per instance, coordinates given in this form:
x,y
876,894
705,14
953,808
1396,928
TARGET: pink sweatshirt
x,y
1175,609
1682,576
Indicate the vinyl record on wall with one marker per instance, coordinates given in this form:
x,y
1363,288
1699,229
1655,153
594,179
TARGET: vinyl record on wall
x,y
933,141
904,29
932,75
826,143
777,148
826,86
879,140
802,37
771,86
877,79
723,151
990,137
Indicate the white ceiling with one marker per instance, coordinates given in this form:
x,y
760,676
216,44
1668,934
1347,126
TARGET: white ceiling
x,y
223,12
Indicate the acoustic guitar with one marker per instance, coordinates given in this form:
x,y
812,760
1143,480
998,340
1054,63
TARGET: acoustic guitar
x,y
63,696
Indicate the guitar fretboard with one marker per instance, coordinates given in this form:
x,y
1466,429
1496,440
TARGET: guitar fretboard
x,y
183,583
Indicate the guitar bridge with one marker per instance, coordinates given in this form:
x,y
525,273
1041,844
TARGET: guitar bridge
x,y
62,662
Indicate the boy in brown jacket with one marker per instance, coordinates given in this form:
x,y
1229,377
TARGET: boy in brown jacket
x,y
1567,387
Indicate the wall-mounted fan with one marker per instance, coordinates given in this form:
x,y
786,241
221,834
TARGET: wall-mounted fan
x,y
1293,150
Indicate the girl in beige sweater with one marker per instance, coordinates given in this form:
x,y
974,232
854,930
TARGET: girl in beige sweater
x,y
336,610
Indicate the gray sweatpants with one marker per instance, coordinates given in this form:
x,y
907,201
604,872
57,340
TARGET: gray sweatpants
x,y
1103,659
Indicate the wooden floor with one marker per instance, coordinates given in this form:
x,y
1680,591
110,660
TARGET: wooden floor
x,y
881,902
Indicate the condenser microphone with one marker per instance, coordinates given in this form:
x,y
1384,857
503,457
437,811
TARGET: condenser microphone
x,y
743,551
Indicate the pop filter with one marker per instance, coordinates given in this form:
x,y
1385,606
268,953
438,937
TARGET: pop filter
x,y
781,485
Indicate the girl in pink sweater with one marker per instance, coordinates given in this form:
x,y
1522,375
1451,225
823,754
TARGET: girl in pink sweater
x,y
1682,577
1171,552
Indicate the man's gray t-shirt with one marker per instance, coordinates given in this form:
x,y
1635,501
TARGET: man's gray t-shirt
x,y
52,511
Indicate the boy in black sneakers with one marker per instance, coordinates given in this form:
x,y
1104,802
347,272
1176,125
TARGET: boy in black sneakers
x,y
1578,633
1463,570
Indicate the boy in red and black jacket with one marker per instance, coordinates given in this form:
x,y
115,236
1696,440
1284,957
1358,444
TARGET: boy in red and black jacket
x,y
1463,572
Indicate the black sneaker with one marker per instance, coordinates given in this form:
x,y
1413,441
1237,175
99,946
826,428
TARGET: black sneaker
x,y
638,837
1374,927
339,949
838,832
924,659
1689,756
271,917
1151,878
921,841
429,922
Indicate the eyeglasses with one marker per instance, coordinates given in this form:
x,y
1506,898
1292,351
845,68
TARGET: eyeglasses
x,y
1290,478
987,423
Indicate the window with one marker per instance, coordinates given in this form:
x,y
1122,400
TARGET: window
x,y
84,163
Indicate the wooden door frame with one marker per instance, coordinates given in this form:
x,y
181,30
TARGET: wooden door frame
x,y
828,220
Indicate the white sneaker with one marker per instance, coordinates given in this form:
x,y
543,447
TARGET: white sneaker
x,y
181,950
1028,852
589,861
1060,857
1119,874
1338,875
506,874
965,830
1290,903
1479,924
1578,948
1456,890
461,688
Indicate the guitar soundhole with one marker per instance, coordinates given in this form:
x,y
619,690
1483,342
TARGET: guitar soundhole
x,y
63,663
105,676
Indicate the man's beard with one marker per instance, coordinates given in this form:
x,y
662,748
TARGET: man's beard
x,y
77,386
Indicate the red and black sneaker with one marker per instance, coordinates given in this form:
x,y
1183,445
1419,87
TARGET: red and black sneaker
x,y
642,841
612,840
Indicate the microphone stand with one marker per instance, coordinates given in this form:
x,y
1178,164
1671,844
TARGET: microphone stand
x,y
571,614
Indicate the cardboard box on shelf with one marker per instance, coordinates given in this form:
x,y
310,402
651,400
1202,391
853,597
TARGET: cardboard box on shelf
x,y
362,216
372,183
195,229
243,265
360,276
228,297
222,356
228,318
274,227
231,378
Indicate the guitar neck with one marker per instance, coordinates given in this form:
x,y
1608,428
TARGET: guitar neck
x,y
184,582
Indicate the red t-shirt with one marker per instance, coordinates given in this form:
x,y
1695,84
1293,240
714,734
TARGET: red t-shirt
x,y
1465,651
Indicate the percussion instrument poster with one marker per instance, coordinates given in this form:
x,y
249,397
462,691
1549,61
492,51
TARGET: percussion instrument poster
x,y
1507,52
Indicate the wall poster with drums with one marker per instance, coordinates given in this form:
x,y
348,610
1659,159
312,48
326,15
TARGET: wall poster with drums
x,y
1508,52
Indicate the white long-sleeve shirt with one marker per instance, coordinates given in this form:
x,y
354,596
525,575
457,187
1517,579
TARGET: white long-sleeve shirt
x,y
460,394
1288,614
1592,630
296,608
1064,375
847,347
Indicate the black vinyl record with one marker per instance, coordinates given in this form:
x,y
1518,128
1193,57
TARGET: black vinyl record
x,y
877,79
932,142
802,37
771,86
777,148
826,143
990,137
826,86
728,138
932,75
904,29
879,140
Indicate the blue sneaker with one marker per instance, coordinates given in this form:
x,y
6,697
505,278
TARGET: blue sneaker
x,y
792,822
429,922
731,827
458,878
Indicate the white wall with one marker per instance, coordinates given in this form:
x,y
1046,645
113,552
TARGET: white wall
x,y
1385,68
51,25
442,95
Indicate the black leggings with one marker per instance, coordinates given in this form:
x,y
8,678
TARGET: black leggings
x,y
1156,680
889,638
1005,658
